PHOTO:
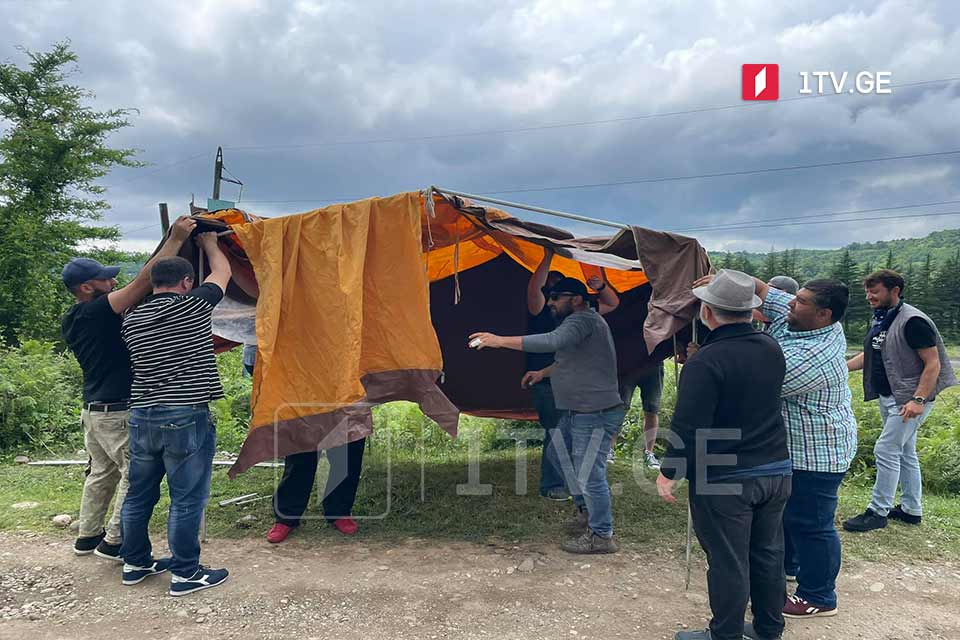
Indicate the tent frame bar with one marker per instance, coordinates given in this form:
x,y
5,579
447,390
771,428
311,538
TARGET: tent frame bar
x,y
549,212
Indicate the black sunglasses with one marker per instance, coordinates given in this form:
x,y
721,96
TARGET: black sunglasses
x,y
557,294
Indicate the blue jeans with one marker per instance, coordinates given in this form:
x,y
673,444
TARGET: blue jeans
x,y
897,461
811,543
590,436
556,443
179,442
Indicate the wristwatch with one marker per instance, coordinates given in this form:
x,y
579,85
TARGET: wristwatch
x,y
920,400
603,286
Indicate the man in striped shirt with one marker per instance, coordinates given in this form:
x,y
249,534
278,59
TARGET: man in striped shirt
x,y
171,433
821,434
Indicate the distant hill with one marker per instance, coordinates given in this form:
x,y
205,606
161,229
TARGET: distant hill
x,y
812,263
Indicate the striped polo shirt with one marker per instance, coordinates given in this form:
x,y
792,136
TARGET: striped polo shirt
x,y
171,349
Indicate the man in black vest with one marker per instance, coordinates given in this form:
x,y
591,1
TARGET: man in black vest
x,y
730,442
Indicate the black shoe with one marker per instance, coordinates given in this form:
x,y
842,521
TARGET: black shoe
x,y
897,513
749,632
86,546
866,521
108,551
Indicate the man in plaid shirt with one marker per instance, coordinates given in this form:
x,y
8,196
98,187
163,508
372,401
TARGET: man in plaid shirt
x,y
821,434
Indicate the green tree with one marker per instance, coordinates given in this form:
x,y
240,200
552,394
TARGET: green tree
x,y
788,265
945,292
770,266
743,264
52,152
922,294
891,262
845,270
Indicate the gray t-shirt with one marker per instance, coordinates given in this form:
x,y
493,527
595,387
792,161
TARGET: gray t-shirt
x,y
584,376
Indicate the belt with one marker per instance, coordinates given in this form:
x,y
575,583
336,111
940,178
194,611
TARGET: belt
x,y
106,406
619,405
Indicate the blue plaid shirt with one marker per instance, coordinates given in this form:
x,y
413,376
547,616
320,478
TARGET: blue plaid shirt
x,y
821,427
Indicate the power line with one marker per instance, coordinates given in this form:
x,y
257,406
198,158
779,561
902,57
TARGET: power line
x,y
746,224
595,185
545,127
158,169
561,125
867,219
721,174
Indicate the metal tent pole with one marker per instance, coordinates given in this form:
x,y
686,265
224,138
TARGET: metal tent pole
x,y
549,212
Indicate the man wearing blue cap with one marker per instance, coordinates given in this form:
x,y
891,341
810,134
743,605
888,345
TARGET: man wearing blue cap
x,y
91,328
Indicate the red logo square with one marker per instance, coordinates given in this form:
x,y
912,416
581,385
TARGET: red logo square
x,y
761,81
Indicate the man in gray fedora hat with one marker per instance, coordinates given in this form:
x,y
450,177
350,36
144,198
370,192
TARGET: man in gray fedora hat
x,y
729,441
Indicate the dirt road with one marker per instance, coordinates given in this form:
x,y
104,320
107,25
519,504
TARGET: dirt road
x,y
425,590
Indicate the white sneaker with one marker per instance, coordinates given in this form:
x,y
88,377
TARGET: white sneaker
x,y
651,460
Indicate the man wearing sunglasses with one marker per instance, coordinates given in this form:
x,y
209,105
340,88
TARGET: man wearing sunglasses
x,y
556,445
585,387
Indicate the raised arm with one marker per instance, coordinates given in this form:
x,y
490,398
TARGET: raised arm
x,y
607,298
131,295
535,299
220,270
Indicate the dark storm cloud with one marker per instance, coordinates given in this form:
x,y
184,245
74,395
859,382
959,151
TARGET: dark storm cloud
x,y
246,73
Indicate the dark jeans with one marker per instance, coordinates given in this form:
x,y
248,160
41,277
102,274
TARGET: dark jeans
x,y
551,471
742,536
811,542
178,442
299,473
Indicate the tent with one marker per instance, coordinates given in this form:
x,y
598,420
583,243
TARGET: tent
x,y
372,301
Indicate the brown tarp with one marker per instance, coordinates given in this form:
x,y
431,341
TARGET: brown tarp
x,y
372,261
672,262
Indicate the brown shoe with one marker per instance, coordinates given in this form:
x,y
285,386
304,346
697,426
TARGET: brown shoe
x,y
590,542
577,525
797,607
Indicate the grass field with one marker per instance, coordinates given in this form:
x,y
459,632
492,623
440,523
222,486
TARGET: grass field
x,y
391,508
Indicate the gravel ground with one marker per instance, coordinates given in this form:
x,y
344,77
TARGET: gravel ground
x,y
427,590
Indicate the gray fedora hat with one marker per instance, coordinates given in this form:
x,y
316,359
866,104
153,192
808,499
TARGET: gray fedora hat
x,y
731,291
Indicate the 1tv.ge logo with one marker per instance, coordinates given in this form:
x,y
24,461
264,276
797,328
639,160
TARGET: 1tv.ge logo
x,y
762,82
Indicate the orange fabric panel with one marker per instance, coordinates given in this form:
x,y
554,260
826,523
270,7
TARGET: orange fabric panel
x,y
343,294
444,262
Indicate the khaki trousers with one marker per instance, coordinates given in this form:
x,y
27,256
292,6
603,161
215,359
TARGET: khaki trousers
x,y
105,439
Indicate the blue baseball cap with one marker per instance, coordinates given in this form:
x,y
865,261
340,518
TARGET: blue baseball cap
x,y
79,270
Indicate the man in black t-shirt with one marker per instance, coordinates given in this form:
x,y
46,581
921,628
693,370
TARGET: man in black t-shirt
x,y
905,366
540,320
91,328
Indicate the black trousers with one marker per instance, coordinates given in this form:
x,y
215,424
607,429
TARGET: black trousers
x,y
742,536
299,473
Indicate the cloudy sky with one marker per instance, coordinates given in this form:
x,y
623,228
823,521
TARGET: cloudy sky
x,y
319,101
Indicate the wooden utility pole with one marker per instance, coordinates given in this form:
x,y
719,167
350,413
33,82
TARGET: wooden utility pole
x,y
164,219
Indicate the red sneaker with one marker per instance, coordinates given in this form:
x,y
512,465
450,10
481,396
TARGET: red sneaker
x,y
278,532
800,608
346,526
